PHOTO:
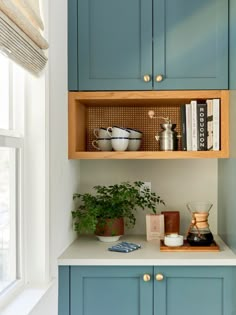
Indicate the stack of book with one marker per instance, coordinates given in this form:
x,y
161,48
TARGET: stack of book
x,y
200,124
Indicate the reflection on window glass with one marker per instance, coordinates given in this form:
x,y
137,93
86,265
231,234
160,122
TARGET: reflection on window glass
x,y
4,93
7,218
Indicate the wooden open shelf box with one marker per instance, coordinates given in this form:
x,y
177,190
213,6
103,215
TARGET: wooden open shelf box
x,y
88,110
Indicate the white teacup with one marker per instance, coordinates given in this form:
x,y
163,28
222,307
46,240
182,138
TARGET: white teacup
x,y
115,132
102,144
134,144
100,133
134,133
119,143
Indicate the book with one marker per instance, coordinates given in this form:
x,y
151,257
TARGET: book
x,y
188,127
194,125
216,124
209,125
183,127
202,127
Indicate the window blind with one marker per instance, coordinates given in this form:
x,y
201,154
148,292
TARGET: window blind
x,y
20,33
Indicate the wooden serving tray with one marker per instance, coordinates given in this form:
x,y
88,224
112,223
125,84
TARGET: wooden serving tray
x,y
188,248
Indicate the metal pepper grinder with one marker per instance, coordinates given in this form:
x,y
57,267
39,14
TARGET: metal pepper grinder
x,y
168,137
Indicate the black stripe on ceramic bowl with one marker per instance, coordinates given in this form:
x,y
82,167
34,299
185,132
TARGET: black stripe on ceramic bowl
x,y
119,138
136,130
121,128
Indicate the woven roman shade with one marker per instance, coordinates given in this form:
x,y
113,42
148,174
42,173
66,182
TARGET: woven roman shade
x,y
20,33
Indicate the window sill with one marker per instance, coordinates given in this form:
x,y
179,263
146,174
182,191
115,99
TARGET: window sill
x,y
25,301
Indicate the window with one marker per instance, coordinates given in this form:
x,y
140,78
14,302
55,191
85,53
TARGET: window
x,y
11,161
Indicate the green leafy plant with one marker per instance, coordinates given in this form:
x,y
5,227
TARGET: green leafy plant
x,y
114,201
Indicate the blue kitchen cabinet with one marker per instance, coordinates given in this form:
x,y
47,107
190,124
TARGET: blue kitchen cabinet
x,y
110,44
110,290
145,290
147,44
193,290
190,49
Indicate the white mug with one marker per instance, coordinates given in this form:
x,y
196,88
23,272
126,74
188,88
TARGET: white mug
x,y
102,144
134,133
100,132
115,132
134,144
119,143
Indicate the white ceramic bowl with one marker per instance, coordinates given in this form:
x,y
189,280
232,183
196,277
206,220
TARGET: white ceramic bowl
x,y
174,240
115,132
134,133
134,144
119,143
108,239
102,144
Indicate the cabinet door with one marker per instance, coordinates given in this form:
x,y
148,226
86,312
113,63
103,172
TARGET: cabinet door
x,y
191,44
193,290
111,290
64,290
114,44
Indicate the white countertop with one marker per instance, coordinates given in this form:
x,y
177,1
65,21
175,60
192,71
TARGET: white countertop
x,y
88,251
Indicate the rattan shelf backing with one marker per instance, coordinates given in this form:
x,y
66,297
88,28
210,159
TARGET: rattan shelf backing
x,y
130,117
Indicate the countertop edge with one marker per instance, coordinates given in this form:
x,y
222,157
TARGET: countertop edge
x,y
82,250
140,262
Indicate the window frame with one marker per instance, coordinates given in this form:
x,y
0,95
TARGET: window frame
x,y
14,139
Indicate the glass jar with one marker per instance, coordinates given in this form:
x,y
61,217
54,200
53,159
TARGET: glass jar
x,y
199,233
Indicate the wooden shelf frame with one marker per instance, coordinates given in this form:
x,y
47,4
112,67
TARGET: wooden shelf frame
x,y
78,102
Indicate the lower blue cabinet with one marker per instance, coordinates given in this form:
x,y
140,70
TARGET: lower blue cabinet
x,y
110,290
145,290
193,290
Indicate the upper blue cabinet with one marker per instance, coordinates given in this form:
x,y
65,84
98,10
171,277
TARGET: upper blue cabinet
x,y
147,44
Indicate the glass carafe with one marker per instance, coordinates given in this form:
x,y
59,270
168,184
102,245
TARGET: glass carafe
x,y
199,233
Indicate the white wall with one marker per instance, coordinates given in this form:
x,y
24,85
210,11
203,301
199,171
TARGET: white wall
x,y
63,174
176,181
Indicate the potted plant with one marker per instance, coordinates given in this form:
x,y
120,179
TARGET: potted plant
x,y
104,212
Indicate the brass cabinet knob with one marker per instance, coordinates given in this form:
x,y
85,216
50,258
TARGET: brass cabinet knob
x,y
146,78
159,277
146,277
159,78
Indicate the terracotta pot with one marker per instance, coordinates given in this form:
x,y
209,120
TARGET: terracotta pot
x,y
111,227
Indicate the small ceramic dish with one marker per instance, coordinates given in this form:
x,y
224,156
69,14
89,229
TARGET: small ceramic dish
x,y
173,240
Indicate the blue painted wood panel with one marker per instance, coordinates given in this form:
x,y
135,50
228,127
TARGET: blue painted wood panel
x,y
111,290
193,290
191,44
232,45
72,46
64,290
115,44
227,201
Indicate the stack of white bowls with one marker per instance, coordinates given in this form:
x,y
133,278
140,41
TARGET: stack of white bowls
x,y
117,139
103,139
123,139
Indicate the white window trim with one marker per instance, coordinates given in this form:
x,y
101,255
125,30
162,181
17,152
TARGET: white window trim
x,y
26,294
15,192
35,223
13,138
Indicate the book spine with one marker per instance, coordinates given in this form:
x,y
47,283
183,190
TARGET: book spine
x,y
194,125
183,127
202,126
216,124
188,127
209,125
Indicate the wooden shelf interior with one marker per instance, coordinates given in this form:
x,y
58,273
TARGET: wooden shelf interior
x,y
90,110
